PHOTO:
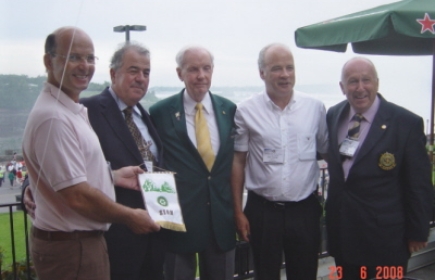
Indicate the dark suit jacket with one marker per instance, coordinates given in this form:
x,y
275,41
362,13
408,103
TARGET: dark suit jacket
x,y
371,216
126,249
205,197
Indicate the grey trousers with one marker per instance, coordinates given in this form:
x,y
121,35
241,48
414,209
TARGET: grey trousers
x,y
214,264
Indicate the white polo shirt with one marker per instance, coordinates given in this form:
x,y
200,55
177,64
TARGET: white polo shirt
x,y
61,150
281,145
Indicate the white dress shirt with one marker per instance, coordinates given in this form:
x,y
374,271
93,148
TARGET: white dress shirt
x,y
190,111
297,133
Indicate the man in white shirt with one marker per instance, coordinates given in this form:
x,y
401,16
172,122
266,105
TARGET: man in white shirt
x,y
279,134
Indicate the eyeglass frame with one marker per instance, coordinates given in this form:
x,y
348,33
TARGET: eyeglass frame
x,y
90,58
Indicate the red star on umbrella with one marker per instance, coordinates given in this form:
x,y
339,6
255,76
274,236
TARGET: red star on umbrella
x,y
427,24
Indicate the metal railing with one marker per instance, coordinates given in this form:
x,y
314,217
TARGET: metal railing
x,y
244,265
12,235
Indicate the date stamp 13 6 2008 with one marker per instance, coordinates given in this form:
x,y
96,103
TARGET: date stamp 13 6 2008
x,y
382,272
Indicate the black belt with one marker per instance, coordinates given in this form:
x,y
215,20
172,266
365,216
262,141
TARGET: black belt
x,y
63,235
274,204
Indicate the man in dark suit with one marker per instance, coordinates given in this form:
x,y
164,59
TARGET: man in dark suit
x,y
380,193
132,256
202,166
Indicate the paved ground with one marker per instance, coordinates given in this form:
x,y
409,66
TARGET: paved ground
x,y
425,273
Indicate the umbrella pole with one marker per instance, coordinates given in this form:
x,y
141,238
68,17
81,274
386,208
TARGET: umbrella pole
x,y
432,103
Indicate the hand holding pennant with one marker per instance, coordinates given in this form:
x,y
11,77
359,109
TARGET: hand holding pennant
x,y
161,199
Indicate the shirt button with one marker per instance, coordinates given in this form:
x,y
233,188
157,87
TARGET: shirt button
x,y
209,177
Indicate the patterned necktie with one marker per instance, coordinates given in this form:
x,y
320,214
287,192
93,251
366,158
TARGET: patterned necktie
x,y
203,140
354,129
137,136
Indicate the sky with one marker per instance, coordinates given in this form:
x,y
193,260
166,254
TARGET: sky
x,y
233,30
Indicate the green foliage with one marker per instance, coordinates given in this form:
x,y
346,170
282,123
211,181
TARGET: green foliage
x,y
21,269
19,91
19,236
1,257
98,87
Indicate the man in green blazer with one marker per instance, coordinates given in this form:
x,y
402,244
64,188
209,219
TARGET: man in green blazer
x,y
203,184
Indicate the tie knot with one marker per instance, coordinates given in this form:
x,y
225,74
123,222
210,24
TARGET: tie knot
x,y
198,106
357,118
128,111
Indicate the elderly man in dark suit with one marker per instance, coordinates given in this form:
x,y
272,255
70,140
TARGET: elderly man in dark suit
x,y
380,191
196,129
132,256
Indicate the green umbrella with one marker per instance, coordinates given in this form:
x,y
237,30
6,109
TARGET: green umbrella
x,y
401,28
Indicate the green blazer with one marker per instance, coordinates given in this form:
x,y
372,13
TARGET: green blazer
x,y
205,196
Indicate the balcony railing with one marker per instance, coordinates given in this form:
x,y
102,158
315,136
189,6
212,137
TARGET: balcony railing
x,y
15,264
244,262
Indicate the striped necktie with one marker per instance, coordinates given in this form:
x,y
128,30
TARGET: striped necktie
x,y
203,140
137,136
354,129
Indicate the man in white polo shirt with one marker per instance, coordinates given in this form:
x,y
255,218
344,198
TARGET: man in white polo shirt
x,y
279,133
69,177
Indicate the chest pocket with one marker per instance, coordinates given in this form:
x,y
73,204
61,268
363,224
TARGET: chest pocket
x,y
306,146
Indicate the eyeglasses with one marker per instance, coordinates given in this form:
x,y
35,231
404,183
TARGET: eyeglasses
x,y
77,58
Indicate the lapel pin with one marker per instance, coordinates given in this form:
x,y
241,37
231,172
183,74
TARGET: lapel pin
x,y
177,115
223,112
383,126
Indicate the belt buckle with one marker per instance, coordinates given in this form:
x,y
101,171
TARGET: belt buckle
x,y
279,205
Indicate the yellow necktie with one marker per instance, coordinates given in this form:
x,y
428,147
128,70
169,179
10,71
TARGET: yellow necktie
x,y
203,140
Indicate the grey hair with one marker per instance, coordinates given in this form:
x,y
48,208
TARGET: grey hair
x,y
179,58
263,51
118,56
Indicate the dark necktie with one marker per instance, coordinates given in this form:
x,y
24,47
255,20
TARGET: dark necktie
x,y
354,129
137,136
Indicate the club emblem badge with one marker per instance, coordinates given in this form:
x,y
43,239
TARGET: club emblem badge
x,y
387,161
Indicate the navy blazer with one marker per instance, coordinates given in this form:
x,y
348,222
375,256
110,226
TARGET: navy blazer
x,y
116,141
371,216
127,250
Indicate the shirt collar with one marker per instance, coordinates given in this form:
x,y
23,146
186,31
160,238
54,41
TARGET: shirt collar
x,y
189,104
369,115
294,99
63,98
121,104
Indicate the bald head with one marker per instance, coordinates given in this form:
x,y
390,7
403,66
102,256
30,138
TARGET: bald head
x,y
360,83
69,59
359,60
277,70
66,33
271,47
